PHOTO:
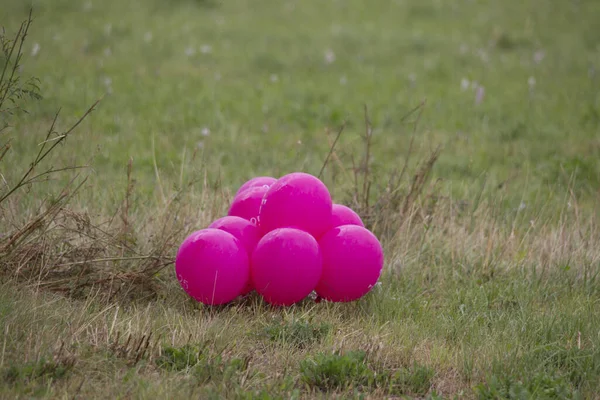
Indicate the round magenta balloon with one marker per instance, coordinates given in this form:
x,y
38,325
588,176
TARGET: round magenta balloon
x,y
247,204
245,231
256,182
352,263
342,215
286,266
212,266
297,200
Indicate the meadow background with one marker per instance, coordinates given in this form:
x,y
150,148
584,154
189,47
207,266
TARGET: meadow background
x,y
470,140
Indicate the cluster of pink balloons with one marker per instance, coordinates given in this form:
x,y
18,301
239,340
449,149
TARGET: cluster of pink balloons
x,y
284,238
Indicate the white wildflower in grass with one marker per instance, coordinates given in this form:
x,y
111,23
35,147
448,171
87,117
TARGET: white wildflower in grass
x,y
206,49
190,51
274,78
200,145
329,56
412,78
107,81
538,56
205,131
531,82
464,84
483,56
35,50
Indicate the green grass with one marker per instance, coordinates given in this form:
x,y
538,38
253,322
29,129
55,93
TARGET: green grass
x,y
491,285
393,55
333,371
296,333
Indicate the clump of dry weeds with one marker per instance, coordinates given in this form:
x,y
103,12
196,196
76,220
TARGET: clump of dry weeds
x,y
418,224
57,246
386,200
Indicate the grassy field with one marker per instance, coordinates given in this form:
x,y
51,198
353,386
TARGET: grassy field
x,y
480,176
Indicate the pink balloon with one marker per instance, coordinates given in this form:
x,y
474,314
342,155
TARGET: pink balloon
x,y
243,230
212,266
286,266
297,200
256,182
247,204
342,215
352,263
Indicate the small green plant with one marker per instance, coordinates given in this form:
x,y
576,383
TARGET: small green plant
x,y
41,369
415,380
335,371
577,365
13,93
218,370
203,367
297,333
13,90
540,386
179,358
